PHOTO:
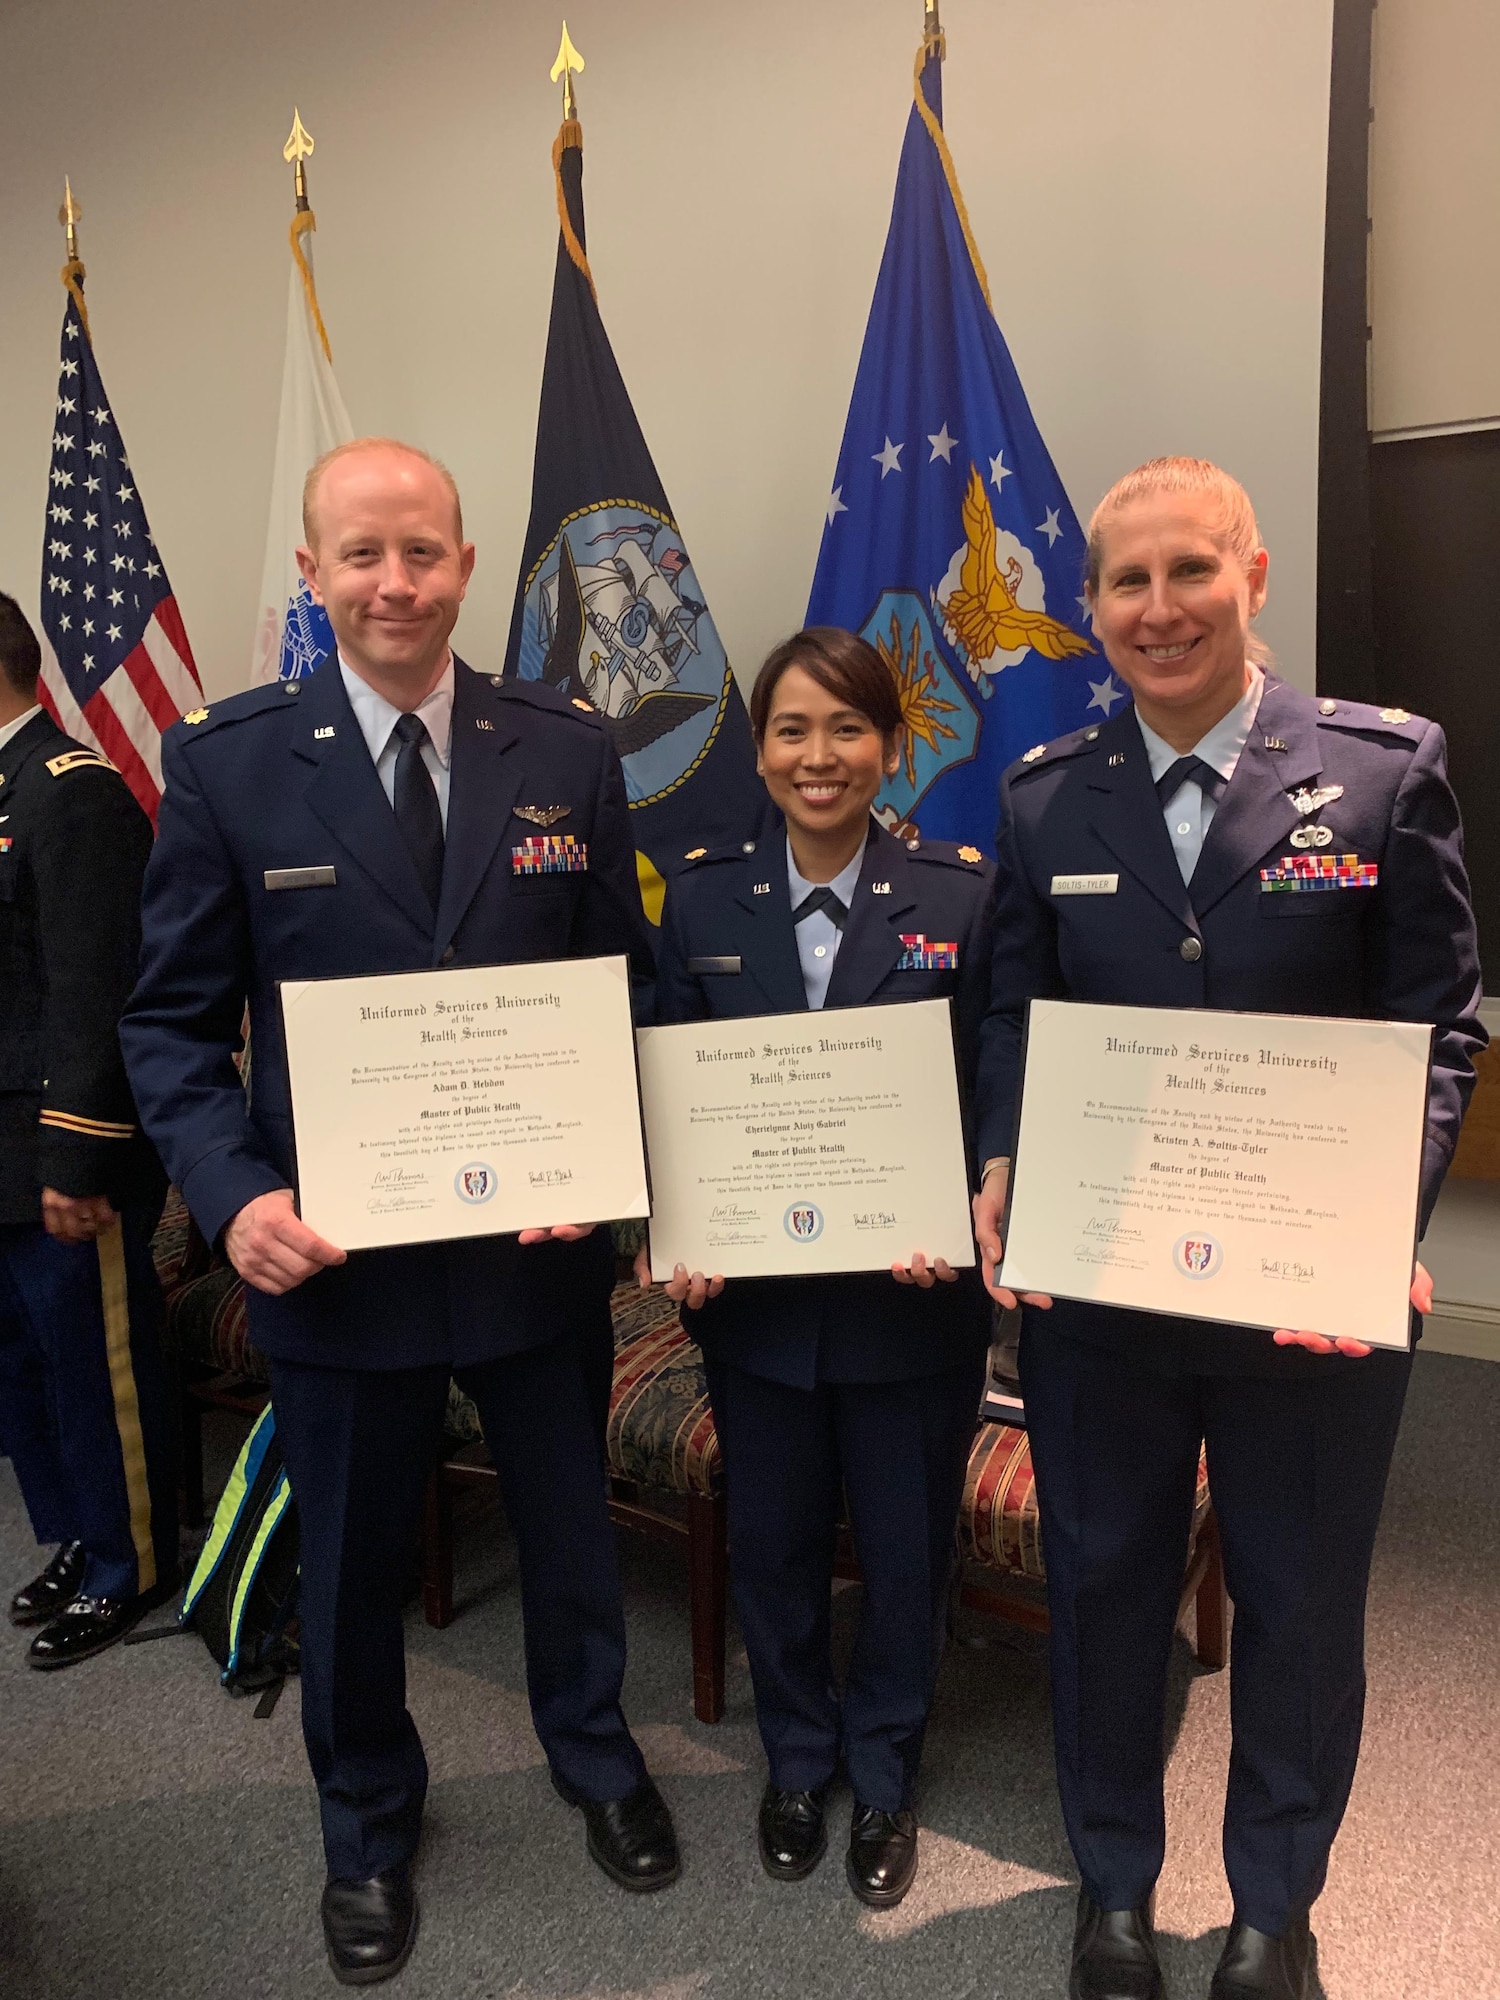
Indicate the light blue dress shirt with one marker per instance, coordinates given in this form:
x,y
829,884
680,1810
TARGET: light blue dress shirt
x,y
377,724
1188,813
818,936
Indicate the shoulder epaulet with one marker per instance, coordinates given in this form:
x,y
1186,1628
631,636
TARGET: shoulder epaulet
x,y
1074,744
1393,721
262,700
541,694
78,760
727,850
947,854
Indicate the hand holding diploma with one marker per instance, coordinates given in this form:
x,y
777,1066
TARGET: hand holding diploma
x,y
989,1210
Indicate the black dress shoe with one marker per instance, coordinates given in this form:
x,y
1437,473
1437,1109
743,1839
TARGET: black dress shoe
x,y
1114,1954
791,1832
58,1584
370,1926
882,1860
632,1839
1255,1966
91,1625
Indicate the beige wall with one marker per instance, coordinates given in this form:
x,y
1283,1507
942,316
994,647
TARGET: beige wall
x,y
1145,178
1435,209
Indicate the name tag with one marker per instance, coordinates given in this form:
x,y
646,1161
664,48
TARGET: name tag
x,y
1085,885
700,968
301,878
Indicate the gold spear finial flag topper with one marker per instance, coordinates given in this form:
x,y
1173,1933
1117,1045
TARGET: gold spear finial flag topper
x,y
298,148
69,215
568,61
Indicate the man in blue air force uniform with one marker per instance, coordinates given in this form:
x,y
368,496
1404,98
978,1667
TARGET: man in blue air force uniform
x,y
1154,861
398,811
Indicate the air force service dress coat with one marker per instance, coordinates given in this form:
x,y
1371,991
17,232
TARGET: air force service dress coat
x,y
278,858
852,1385
728,949
1118,1402
1403,949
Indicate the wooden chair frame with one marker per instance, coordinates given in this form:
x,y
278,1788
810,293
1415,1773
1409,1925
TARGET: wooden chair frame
x,y
704,1529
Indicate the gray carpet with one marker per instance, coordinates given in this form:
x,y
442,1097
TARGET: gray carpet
x,y
156,1840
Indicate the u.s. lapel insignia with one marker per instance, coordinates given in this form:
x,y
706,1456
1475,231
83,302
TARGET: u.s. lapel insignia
x,y
542,815
761,889
195,715
483,722
880,888
319,735
1116,758
1308,802
1274,743
969,854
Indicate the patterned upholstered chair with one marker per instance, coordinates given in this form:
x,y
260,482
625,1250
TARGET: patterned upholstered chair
x,y
1000,1539
666,1478
665,1475
206,1339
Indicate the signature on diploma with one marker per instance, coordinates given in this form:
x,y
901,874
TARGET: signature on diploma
x,y
550,1176
730,1211
1112,1227
398,1177
876,1218
1290,1270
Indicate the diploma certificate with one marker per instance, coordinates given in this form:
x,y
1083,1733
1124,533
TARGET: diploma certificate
x,y
1258,1168
814,1142
429,1105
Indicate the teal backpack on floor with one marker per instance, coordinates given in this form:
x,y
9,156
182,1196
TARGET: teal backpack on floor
x,y
242,1597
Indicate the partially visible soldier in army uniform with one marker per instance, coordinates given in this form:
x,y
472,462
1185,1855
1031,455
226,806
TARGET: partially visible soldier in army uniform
x,y
84,1412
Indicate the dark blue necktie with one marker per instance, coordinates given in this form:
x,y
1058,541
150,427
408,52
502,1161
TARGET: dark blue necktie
x,y
1209,781
418,814
822,899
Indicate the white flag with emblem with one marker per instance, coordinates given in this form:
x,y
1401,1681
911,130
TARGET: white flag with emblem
x,y
291,632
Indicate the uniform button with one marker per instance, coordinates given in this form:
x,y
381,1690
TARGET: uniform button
x,y
820,951
1328,708
1191,948
748,848
448,956
1183,826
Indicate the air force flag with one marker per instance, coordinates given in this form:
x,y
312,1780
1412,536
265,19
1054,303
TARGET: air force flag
x,y
949,542
292,634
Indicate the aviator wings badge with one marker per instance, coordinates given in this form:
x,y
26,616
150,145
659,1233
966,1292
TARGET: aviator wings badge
x,y
1310,802
543,815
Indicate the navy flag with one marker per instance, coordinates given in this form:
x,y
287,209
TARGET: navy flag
x,y
949,541
608,606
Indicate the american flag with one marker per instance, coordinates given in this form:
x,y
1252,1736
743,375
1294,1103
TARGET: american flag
x,y
117,669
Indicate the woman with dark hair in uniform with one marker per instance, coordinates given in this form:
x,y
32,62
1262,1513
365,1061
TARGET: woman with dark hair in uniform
x,y
868,1384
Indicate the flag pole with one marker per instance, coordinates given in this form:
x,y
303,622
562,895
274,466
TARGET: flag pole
x,y
295,152
72,274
